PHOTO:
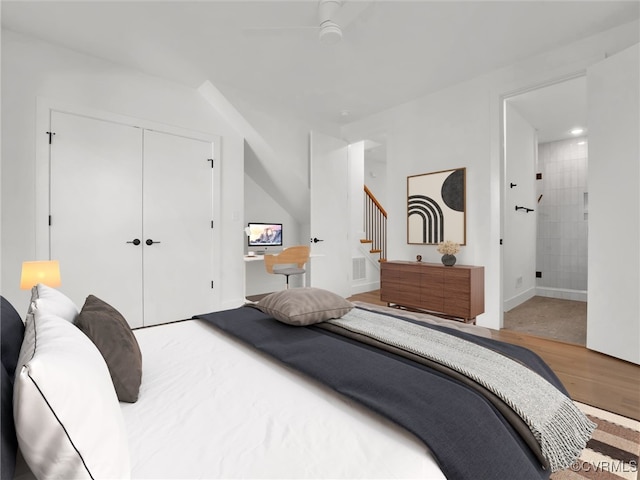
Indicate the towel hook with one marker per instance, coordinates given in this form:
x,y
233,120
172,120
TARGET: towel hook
x,y
527,210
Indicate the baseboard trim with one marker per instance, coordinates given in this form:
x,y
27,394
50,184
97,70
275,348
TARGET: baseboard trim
x,y
364,287
513,302
562,293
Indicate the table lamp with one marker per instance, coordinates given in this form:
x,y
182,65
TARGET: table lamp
x,y
46,272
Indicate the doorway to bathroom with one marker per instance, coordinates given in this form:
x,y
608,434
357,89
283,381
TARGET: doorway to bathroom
x,y
546,211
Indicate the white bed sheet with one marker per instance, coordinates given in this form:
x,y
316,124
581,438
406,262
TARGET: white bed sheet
x,y
210,407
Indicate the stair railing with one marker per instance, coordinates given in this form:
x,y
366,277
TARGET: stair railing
x,y
375,224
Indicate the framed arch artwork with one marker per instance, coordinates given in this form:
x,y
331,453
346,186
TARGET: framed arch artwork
x,y
436,207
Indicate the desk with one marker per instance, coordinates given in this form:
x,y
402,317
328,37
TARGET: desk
x,y
258,281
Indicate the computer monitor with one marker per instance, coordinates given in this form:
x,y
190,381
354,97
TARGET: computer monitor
x,y
263,235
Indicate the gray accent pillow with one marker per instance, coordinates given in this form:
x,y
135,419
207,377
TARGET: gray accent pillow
x,y
304,306
110,332
11,335
9,441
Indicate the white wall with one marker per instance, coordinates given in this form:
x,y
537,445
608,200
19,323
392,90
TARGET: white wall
x,y
375,178
356,196
519,233
287,135
613,311
461,127
33,70
260,207
281,162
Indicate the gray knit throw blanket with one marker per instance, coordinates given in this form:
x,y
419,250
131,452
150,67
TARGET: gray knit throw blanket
x,y
560,428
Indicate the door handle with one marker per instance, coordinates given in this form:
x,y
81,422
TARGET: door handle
x,y
135,241
150,242
316,240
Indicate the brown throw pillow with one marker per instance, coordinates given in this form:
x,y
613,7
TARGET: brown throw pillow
x,y
110,332
304,306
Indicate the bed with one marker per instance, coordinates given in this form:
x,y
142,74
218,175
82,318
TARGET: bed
x,y
214,403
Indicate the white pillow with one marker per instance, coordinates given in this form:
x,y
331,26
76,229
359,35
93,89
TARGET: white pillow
x,y
67,416
53,301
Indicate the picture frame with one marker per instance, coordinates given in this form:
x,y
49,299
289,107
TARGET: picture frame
x,y
436,207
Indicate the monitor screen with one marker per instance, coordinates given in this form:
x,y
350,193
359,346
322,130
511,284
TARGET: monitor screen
x,y
265,234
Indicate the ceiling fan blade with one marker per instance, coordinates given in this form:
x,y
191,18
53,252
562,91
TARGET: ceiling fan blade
x,y
284,30
332,17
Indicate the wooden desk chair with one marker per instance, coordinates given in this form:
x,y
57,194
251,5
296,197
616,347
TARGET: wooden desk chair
x,y
283,262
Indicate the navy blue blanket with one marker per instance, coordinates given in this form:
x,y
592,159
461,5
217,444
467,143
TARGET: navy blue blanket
x,y
468,436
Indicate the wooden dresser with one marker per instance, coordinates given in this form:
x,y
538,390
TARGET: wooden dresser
x,y
456,291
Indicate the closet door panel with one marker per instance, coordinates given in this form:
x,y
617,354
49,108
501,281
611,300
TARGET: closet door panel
x,y
178,214
95,206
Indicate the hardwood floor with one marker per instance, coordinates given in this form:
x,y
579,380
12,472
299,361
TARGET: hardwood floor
x,y
590,377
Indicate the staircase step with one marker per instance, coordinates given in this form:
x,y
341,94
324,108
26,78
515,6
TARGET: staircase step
x,y
365,240
375,251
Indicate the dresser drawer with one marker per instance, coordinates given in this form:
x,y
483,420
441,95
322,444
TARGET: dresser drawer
x,y
457,307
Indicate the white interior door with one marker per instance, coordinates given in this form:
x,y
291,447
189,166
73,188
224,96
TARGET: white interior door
x,y
95,208
329,171
178,215
613,324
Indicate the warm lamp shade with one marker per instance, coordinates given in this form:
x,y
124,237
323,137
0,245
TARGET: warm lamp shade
x,y
46,272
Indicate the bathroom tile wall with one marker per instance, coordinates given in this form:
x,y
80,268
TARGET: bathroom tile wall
x,y
562,214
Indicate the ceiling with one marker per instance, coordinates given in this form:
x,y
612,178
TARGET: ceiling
x,y
391,51
555,109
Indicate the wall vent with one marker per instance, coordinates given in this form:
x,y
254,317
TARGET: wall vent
x,y
359,268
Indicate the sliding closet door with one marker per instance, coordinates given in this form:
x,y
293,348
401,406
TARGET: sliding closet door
x,y
178,233
95,207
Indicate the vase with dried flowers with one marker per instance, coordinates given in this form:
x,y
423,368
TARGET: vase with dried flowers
x,y
448,250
